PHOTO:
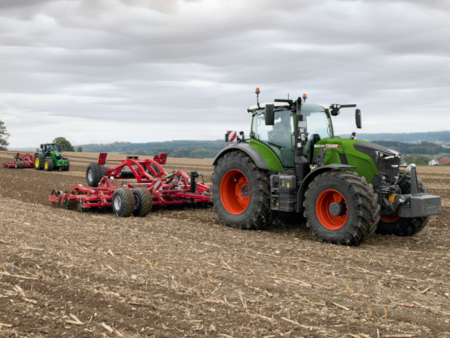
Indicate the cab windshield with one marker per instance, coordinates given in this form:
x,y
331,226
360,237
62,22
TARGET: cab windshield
x,y
317,121
52,147
279,137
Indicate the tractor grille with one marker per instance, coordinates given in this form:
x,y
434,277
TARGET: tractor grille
x,y
388,166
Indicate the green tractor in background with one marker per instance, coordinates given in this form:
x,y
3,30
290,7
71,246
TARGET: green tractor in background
x,y
293,163
49,157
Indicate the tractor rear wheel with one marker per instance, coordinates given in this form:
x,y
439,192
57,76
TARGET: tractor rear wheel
x,y
94,174
142,202
341,208
48,164
123,202
395,225
241,192
38,162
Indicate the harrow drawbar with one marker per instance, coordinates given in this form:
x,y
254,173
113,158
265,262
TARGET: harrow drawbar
x,y
153,186
25,161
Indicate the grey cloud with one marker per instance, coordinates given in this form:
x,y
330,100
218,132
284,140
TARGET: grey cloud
x,y
196,63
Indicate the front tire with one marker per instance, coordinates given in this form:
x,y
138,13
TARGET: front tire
x,y
241,192
67,166
341,208
394,225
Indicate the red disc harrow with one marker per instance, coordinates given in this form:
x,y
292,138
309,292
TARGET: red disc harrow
x,y
152,186
25,161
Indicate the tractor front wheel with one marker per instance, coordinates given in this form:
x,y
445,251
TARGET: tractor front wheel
x,y
67,166
341,208
394,224
123,202
241,192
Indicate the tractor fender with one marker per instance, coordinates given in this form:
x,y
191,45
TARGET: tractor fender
x,y
257,158
308,179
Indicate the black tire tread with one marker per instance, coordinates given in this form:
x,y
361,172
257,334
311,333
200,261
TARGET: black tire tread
x,y
127,206
97,173
366,199
41,162
145,202
50,164
261,216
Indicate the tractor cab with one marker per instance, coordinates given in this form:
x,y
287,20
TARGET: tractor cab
x,y
279,135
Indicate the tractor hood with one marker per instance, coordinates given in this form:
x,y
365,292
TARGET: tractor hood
x,y
386,160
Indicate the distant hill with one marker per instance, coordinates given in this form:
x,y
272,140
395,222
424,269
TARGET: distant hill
x,y
411,143
442,136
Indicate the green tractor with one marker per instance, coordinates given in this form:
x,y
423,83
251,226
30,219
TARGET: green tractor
x,y
49,157
294,165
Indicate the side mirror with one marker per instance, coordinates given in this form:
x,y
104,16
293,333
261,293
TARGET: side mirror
x,y
270,118
358,118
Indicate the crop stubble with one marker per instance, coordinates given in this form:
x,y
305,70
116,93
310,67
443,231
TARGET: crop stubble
x,y
178,273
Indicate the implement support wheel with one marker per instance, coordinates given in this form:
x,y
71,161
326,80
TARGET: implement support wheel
x,y
241,192
123,202
142,202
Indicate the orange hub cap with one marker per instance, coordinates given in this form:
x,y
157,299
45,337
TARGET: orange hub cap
x,y
390,218
235,192
331,209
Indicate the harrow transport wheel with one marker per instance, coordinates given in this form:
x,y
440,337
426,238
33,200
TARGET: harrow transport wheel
x,y
38,162
123,202
48,164
394,224
94,174
67,167
341,208
80,206
241,192
142,202
65,203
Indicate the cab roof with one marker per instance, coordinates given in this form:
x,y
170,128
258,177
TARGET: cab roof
x,y
282,104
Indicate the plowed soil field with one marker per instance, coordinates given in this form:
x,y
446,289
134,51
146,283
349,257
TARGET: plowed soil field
x,y
179,273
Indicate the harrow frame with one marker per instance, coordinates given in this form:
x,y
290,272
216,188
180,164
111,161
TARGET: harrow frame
x,y
20,162
175,188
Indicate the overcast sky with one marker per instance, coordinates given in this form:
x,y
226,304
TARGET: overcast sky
x,y
98,71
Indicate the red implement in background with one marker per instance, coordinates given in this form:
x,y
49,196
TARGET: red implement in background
x,y
153,186
25,161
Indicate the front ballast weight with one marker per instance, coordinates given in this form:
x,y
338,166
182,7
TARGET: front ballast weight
x,y
152,186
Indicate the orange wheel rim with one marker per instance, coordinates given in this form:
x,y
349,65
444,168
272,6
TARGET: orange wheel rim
x,y
235,192
390,218
326,218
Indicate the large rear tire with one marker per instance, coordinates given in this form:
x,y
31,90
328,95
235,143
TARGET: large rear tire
x,y
94,174
48,164
394,225
123,202
241,192
38,162
142,202
341,208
